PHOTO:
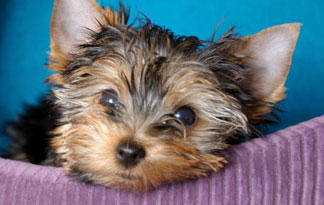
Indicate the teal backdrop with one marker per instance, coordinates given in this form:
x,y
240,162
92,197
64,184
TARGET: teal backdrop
x,y
24,43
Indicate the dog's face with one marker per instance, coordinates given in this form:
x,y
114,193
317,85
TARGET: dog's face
x,y
141,106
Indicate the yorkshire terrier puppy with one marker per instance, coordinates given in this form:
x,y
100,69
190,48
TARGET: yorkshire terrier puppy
x,y
137,106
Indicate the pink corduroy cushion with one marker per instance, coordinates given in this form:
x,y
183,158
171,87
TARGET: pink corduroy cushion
x,y
286,167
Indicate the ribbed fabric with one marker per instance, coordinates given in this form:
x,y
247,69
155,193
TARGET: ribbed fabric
x,y
286,167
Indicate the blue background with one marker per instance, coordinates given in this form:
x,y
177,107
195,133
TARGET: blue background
x,y
24,43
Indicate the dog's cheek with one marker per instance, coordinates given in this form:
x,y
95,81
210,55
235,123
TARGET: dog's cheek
x,y
89,145
175,162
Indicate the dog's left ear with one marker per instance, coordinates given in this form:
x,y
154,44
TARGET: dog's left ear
x,y
268,55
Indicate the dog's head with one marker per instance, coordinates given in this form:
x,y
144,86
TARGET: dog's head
x,y
141,106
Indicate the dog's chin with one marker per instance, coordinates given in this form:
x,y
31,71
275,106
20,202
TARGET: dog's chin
x,y
136,181
122,178
126,180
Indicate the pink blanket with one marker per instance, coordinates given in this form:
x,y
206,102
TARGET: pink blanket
x,y
286,167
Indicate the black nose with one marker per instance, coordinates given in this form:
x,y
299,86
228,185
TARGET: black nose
x,y
129,154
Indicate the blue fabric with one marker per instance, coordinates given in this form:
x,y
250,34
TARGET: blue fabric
x,y
24,41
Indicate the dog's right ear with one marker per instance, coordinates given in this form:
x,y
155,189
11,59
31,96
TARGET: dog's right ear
x,y
69,22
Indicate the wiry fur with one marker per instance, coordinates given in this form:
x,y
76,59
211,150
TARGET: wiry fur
x,y
153,72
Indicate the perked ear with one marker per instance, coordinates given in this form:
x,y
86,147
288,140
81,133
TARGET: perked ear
x,y
68,23
268,56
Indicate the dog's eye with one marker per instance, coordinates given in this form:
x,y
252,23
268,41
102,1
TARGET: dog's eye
x,y
109,98
186,115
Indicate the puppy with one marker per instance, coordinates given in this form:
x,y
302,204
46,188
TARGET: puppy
x,y
136,106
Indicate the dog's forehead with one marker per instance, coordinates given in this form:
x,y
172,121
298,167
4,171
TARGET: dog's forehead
x,y
158,81
149,67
